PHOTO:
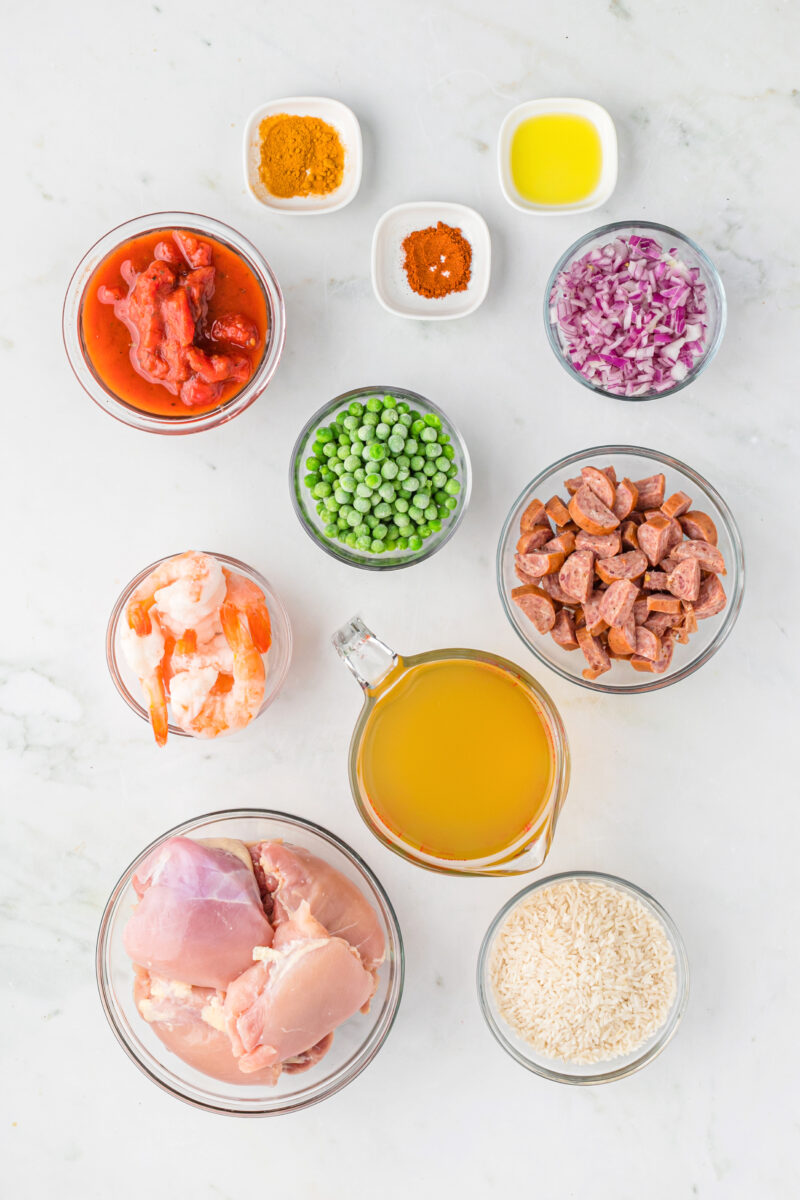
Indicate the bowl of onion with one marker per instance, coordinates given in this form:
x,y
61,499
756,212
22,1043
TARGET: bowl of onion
x,y
635,310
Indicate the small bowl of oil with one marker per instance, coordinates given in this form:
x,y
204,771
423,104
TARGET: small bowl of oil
x,y
557,156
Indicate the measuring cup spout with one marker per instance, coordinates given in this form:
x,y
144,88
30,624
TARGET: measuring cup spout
x,y
367,656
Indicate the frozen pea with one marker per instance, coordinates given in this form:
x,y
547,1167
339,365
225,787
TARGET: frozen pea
x,y
399,430
380,531
433,420
401,505
372,480
389,416
432,451
329,450
377,452
324,435
331,504
344,440
402,543
452,487
402,520
355,408
382,511
415,514
444,437
448,452
441,495
316,448
403,460
422,499
417,462
337,466
382,431
438,480
424,531
363,491
451,502
411,446
391,544
443,511
343,452
402,475
417,425
374,405
320,507
389,470
351,462
371,419
415,542
331,530
363,432
401,406
431,513
361,505
392,533
362,530
395,444
405,420
351,422
442,463
312,463
360,475
429,470
363,541
435,524
377,546
327,474
410,484
452,470
347,482
370,521
351,540
428,435
387,492
311,480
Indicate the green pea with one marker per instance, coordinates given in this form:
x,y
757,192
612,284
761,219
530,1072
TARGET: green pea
x,y
316,449
329,450
402,543
382,431
351,540
401,406
416,514
374,405
390,470
441,495
327,474
331,504
331,530
382,511
351,422
337,466
351,462
443,511
377,546
433,420
311,480
400,505
452,470
403,475
402,520
431,513
417,462
424,531
380,531
448,452
361,505
363,491
341,522
432,451
387,492
377,452
393,533
347,482
405,418
372,479
355,408
444,437
312,463
390,416
451,502
343,452
356,447
422,499
428,435
452,487
344,440
411,484
320,507
395,444
391,544
435,524
363,432
415,542
363,541
370,521
411,446
429,470
360,475
417,425
362,530
371,419
324,435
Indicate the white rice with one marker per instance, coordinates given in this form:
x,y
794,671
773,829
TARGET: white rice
x,y
583,971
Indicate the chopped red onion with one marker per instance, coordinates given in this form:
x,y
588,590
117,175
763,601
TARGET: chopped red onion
x,y
632,319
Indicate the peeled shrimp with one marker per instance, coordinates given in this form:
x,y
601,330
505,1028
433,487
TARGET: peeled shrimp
x,y
187,588
231,706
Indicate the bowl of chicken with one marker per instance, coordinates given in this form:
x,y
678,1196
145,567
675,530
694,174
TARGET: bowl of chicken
x,y
249,963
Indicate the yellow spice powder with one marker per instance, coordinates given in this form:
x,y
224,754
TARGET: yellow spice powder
x,y
299,156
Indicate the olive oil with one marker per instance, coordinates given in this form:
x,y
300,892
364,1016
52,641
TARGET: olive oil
x,y
556,159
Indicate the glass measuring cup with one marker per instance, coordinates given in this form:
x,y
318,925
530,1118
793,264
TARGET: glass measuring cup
x,y
379,670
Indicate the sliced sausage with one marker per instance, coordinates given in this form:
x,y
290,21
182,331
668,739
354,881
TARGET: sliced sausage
x,y
665,657
534,515
604,545
712,598
676,505
630,565
651,491
709,557
648,644
593,618
536,605
593,651
630,535
565,542
655,538
699,527
622,639
617,603
625,500
552,586
557,511
663,603
534,539
589,511
684,581
563,631
577,573
640,612
655,581
522,575
541,562
573,484
600,484
611,473
659,623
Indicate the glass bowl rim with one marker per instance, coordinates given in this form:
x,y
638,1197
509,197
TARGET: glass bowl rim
x,y
716,286
113,404
389,916
382,563
732,608
561,774
274,604
662,1037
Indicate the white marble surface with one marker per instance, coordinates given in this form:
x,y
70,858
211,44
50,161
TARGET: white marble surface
x,y
114,110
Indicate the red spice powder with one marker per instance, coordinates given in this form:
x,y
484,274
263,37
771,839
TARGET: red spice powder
x,y
438,261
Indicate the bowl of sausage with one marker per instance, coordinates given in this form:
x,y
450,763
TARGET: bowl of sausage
x,y
621,569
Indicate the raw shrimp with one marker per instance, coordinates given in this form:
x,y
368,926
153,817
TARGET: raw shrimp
x,y
234,699
248,598
196,584
146,655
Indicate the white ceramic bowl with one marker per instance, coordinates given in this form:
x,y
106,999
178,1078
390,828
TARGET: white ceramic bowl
x,y
388,274
604,125
343,120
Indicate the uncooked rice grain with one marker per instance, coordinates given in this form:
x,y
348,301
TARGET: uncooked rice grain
x,y
583,971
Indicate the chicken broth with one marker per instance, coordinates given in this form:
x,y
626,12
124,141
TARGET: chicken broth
x,y
456,759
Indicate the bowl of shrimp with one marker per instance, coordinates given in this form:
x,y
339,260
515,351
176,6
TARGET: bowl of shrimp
x,y
198,644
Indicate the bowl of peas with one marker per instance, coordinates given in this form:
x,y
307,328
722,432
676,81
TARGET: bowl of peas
x,y
380,478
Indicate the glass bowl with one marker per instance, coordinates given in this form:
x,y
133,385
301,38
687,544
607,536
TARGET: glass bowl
x,y
277,659
355,1043
79,359
304,504
689,252
554,1069
636,463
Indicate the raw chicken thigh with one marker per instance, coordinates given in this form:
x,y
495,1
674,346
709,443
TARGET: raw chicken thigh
x,y
239,995
199,915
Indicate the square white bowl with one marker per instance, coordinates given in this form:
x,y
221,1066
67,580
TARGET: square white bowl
x,y
388,274
343,120
607,133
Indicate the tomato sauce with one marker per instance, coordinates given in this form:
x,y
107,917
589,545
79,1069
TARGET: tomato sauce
x,y
164,343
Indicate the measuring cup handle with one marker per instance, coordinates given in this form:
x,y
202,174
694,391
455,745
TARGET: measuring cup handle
x,y
367,656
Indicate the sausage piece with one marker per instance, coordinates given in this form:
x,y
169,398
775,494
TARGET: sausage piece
x,y
600,484
630,565
684,581
617,603
698,526
711,599
553,587
565,542
576,575
622,639
534,515
594,651
541,562
655,581
625,500
536,605
534,539
593,618
651,492
604,545
589,511
573,484
661,603
648,644
630,535
676,505
557,511
708,556
655,538
563,631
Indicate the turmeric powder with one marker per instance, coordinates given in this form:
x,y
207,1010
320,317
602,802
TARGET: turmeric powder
x,y
300,156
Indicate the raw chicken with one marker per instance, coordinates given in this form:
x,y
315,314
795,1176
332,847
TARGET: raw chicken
x,y
199,915
300,989
290,875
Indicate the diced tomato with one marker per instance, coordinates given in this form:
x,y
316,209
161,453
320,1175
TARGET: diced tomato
x,y
237,330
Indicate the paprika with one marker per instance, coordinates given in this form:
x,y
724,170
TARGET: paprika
x,y
438,261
